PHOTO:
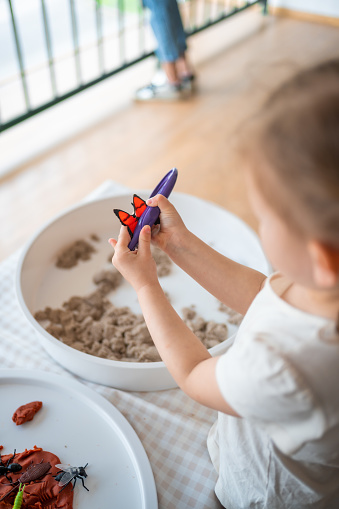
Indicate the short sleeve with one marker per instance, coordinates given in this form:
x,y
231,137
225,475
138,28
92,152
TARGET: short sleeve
x,y
261,384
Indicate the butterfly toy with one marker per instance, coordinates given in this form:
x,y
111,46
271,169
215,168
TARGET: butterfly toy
x,y
143,214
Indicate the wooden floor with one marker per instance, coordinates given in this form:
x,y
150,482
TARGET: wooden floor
x,y
139,144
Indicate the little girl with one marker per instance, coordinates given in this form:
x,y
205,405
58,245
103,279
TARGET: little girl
x,y
276,441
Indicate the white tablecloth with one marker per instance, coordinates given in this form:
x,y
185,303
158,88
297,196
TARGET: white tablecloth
x,y
172,428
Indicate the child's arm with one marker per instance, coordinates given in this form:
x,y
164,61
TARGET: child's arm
x,y
232,283
186,358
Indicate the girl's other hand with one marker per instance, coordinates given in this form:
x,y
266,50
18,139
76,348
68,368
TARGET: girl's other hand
x,y
137,267
172,228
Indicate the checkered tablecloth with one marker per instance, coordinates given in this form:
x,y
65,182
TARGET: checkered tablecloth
x,y
172,428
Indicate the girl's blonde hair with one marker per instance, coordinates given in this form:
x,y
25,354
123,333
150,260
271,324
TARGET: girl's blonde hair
x,y
293,150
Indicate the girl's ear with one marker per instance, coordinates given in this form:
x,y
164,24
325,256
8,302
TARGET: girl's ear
x,y
325,264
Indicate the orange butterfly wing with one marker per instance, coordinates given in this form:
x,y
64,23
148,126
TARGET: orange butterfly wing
x,y
127,220
139,206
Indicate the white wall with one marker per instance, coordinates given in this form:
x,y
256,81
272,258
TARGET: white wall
x,y
322,7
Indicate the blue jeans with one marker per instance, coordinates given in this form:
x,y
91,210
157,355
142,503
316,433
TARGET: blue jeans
x,y
168,29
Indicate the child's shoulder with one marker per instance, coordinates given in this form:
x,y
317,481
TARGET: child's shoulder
x,y
274,321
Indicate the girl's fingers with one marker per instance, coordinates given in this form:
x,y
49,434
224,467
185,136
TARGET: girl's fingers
x,y
144,247
123,240
160,201
121,249
124,237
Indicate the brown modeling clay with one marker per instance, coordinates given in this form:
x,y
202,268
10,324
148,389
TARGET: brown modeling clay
x,y
26,412
39,493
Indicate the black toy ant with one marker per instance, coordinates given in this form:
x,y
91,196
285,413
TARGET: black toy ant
x,y
69,474
9,468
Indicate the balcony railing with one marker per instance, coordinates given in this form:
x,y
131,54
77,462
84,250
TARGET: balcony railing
x,y
52,49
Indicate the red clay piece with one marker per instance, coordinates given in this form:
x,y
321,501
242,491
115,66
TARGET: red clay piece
x,y
26,412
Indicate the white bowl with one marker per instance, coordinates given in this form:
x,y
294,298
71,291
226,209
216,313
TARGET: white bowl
x,y
41,284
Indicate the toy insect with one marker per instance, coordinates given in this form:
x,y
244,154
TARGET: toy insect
x,y
9,467
70,474
33,473
131,220
143,214
19,498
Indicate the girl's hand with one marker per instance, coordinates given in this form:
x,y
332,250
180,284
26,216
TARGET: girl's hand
x,y
137,267
172,228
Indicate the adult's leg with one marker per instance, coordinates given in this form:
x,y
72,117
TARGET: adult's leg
x,y
168,29
169,32
171,39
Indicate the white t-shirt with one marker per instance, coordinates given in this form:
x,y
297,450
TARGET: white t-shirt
x,y
282,376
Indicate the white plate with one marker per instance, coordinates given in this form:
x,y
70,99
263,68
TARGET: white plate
x,y
79,426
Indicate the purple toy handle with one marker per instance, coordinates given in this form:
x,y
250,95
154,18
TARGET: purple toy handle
x,y
151,214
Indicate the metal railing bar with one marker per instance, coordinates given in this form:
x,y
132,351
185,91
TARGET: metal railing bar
x,y
20,59
192,22
121,24
141,28
264,7
98,19
209,19
49,49
75,42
